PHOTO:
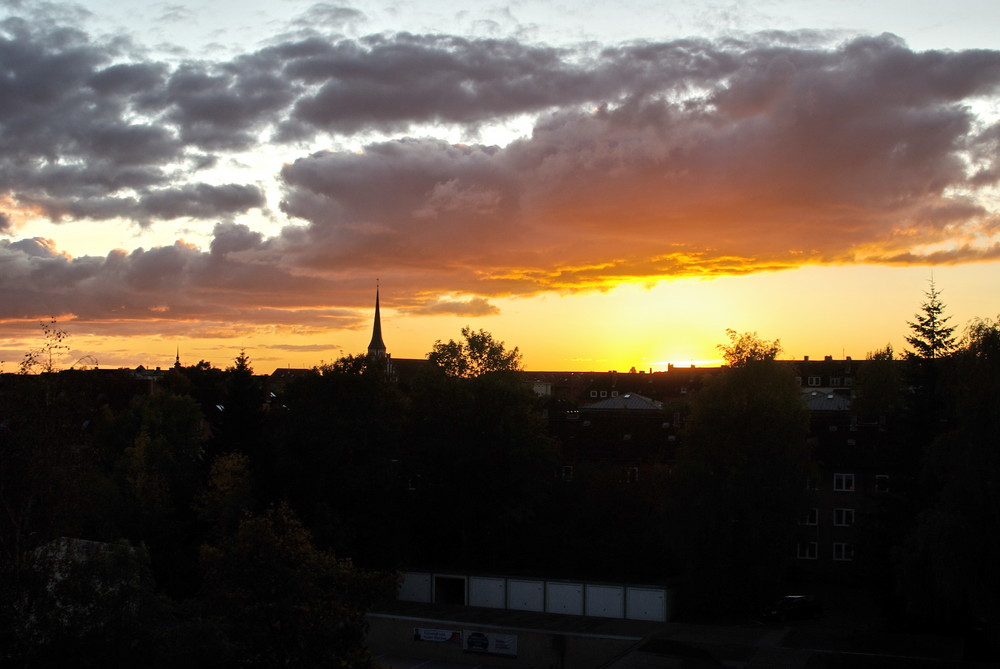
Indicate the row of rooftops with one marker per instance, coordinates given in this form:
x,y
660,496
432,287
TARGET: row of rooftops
x,y
822,376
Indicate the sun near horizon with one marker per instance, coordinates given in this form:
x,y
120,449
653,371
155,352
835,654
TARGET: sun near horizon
x,y
815,312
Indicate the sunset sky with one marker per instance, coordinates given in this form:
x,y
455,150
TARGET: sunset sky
x,y
600,184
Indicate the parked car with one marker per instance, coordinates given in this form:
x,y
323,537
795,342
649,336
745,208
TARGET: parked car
x,y
792,607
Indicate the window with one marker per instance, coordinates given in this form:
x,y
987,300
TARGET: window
x,y
881,483
604,393
567,473
810,517
808,550
834,381
811,484
843,552
593,393
843,482
614,393
814,381
630,474
843,517
833,428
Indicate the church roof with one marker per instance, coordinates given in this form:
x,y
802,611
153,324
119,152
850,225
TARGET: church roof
x,y
377,346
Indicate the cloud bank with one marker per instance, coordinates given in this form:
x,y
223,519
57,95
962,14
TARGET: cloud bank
x,y
646,160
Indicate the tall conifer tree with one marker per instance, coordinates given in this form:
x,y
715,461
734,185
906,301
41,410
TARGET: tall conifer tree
x,y
932,337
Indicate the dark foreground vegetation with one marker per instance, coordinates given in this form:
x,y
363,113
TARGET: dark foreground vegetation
x,y
218,518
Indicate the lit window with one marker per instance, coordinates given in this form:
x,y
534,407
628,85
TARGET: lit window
x,y
811,517
881,483
843,482
843,552
843,517
808,550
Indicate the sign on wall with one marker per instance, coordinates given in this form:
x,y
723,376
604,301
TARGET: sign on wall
x,y
490,643
437,635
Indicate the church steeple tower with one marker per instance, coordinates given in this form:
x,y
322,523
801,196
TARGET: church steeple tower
x,y
377,347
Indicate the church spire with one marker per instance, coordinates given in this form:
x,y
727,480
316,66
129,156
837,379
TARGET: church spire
x,y
377,347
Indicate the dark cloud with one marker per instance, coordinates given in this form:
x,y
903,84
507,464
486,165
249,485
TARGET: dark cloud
x,y
303,348
223,107
82,135
198,201
173,282
473,307
794,155
201,201
323,15
389,83
647,159
126,79
232,238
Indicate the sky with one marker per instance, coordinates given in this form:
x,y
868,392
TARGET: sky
x,y
602,185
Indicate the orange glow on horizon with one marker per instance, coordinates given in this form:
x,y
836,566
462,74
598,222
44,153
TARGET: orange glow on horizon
x,y
814,311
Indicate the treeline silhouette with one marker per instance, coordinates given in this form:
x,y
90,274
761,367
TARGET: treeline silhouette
x,y
221,518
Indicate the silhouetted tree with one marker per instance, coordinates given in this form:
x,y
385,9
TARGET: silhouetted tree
x,y
43,358
241,363
746,347
949,565
478,354
228,494
359,364
94,604
477,455
926,405
279,601
878,388
336,459
155,451
932,336
239,410
739,483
